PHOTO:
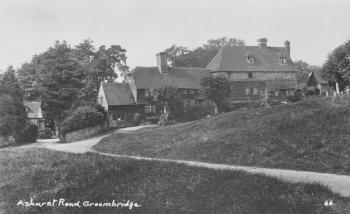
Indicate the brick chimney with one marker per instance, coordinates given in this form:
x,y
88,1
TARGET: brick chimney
x,y
287,46
162,62
262,43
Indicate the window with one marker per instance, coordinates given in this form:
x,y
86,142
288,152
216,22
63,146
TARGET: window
x,y
114,117
290,92
100,100
287,75
150,109
250,75
120,116
252,91
185,91
147,93
250,59
191,91
191,101
283,60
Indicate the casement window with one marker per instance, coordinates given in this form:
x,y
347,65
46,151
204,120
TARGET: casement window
x,y
120,116
100,100
252,91
147,93
150,109
283,60
250,59
114,116
250,75
191,102
192,91
287,75
290,92
185,91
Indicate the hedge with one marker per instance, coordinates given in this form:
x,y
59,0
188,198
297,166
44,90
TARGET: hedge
x,y
82,117
30,133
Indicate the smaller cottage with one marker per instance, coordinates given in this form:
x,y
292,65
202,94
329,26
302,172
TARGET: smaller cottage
x,y
318,85
35,116
119,103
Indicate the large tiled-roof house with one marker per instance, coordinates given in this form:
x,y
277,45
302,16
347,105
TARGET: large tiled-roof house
x,y
256,72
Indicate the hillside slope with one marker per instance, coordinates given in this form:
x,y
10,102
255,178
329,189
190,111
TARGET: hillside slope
x,y
311,135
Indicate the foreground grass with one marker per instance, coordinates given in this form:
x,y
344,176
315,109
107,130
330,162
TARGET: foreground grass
x,y
159,187
312,135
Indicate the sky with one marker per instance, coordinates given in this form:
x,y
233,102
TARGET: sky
x,y
144,28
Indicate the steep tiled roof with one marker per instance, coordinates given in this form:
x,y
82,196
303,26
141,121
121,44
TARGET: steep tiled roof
x,y
265,59
33,109
118,94
319,77
147,77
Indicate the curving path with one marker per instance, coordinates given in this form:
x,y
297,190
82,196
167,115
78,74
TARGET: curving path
x,y
337,183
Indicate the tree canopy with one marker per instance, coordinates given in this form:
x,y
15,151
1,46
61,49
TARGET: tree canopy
x,y
13,116
180,56
303,72
337,66
216,90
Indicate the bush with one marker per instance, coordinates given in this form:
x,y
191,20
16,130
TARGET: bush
x,y
30,134
82,117
198,111
137,119
47,133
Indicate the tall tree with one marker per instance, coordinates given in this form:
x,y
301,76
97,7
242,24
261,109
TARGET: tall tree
x,y
61,78
199,57
216,90
164,94
13,115
337,66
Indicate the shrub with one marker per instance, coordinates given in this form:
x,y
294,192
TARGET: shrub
x,y
82,117
47,133
198,111
137,119
30,133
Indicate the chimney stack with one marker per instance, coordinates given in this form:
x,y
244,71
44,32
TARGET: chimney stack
x,y
287,46
162,62
262,43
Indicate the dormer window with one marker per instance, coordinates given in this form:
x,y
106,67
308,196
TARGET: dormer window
x,y
249,58
283,60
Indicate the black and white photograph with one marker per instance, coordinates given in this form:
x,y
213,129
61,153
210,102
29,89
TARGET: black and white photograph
x,y
174,107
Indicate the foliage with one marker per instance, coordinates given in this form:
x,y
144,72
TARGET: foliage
x,y
216,90
337,66
198,111
30,133
47,133
160,187
13,115
199,57
165,95
303,72
83,117
299,135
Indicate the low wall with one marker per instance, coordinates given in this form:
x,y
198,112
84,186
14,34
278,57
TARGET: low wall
x,y
83,133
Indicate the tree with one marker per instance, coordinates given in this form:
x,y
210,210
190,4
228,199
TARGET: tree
x,y
199,57
164,94
303,72
13,115
61,78
337,67
216,90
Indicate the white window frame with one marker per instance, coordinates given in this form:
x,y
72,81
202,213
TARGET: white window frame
x,y
287,75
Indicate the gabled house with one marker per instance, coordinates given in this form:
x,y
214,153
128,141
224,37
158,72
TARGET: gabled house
x,y
318,85
143,79
256,72
34,115
119,103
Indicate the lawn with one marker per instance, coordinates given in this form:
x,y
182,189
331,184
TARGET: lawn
x,y
312,135
158,187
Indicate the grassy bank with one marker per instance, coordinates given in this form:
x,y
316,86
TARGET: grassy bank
x,y
313,135
158,187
